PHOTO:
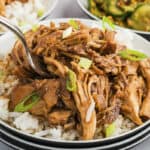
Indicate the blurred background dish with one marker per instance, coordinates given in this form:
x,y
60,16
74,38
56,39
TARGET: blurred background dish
x,y
127,16
23,12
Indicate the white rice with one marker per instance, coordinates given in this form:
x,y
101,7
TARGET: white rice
x,y
4,108
26,122
14,114
70,135
122,125
7,86
22,14
56,133
42,133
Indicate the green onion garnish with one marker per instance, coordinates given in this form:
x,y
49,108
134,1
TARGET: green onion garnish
x,y
107,21
132,55
85,63
110,129
22,107
40,12
74,24
35,27
2,74
22,23
71,84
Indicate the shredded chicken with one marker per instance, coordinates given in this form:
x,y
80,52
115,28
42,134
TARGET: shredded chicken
x,y
101,92
2,7
110,114
85,103
145,68
103,85
59,117
132,98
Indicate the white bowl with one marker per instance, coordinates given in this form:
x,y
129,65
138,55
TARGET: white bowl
x,y
7,42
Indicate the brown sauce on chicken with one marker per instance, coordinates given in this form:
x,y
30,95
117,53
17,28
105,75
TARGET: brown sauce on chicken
x,y
111,86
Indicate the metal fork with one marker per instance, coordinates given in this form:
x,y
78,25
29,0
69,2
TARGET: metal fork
x,y
33,61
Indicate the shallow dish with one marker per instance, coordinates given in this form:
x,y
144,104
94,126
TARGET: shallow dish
x,y
84,6
7,42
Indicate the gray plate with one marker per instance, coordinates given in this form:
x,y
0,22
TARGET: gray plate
x,y
84,6
138,42
20,143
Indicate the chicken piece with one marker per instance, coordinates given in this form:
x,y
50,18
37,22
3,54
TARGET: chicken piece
x,y
109,48
131,68
10,1
51,89
39,109
18,52
101,92
145,68
70,125
78,49
22,66
96,37
59,117
55,67
22,73
109,35
132,98
66,96
109,64
21,91
111,113
46,40
85,103
103,42
96,34
2,7
18,93
76,38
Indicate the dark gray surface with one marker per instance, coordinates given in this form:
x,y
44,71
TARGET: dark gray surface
x,y
143,146
69,8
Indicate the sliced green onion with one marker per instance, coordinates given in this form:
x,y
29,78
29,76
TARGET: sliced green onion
x,y
110,129
132,55
71,84
74,24
22,107
22,23
106,21
67,32
40,12
35,27
85,63
2,74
